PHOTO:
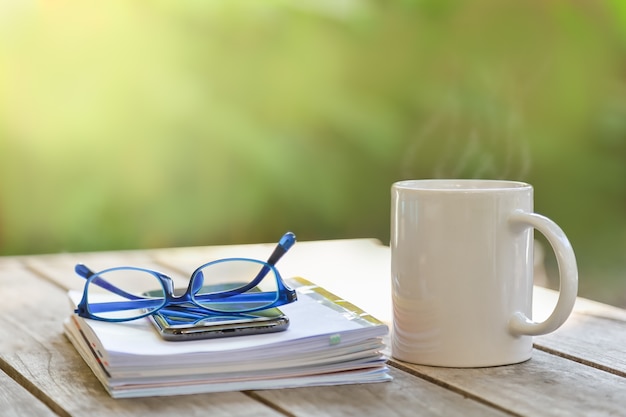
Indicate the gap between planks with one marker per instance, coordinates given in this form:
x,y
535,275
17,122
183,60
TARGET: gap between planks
x,y
449,387
32,389
580,361
268,403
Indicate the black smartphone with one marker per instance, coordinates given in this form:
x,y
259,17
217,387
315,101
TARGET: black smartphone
x,y
199,325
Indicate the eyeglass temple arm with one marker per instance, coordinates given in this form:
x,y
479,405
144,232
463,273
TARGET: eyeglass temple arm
x,y
155,303
284,244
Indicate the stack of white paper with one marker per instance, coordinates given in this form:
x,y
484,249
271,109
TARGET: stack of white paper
x,y
328,342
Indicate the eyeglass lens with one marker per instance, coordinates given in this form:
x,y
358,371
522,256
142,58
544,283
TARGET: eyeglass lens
x,y
109,291
225,286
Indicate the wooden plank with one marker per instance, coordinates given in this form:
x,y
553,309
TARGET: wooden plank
x,y
15,401
33,347
404,396
59,268
595,333
357,270
595,341
546,385
544,300
10,262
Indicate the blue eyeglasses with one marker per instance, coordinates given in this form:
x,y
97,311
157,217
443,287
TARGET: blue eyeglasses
x,y
224,286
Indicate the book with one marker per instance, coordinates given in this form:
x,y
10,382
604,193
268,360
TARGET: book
x,y
329,342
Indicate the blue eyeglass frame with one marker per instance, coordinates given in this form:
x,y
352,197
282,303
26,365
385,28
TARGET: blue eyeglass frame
x,y
180,305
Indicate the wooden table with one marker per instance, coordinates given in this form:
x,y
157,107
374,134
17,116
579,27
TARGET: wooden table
x,y
580,370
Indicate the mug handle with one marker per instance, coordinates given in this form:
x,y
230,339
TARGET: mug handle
x,y
568,275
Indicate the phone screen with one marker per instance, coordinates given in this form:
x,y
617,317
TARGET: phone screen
x,y
204,325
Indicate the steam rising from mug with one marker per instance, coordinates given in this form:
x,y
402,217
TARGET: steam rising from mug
x,y
460,144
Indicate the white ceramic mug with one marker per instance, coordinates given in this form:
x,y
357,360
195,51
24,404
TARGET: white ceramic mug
x,y
462,272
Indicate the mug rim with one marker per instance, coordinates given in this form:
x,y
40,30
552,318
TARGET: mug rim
x,y
465,185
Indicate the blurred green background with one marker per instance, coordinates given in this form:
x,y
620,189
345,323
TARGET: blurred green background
x,y
132,124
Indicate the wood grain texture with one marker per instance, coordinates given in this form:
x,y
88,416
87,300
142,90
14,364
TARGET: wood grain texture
x,y
404,396
59,269
15,401
547,385
578,370
592,340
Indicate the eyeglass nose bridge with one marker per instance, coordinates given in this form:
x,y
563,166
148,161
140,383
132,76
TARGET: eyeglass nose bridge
x,y
196,282
168,284
170,295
